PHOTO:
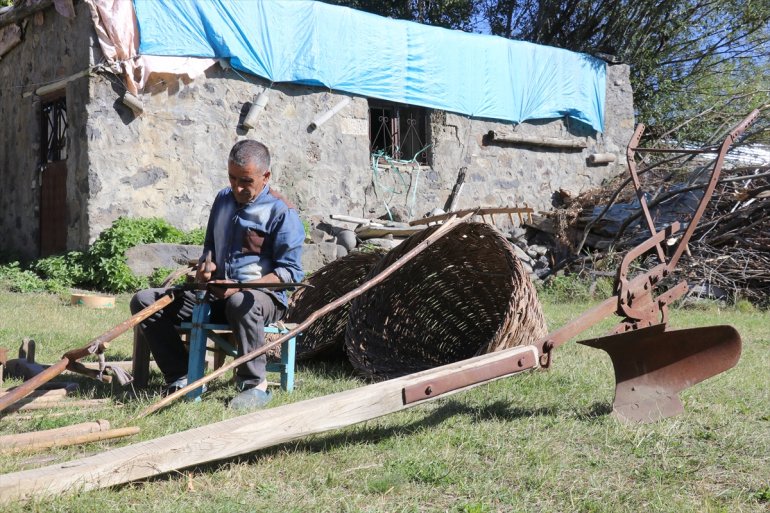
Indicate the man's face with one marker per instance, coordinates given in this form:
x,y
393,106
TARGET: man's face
x,y
246,181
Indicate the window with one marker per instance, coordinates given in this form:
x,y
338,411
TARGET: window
x,y
54,124
399,131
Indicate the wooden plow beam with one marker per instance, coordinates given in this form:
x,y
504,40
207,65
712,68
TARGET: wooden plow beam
x,y
262,429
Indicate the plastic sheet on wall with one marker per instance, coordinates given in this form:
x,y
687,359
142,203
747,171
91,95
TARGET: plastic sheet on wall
x,y
347,50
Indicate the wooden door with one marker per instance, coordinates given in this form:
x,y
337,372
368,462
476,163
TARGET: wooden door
x,y
53,182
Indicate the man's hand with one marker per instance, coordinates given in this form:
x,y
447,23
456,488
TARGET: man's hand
x,y
204,272
221,292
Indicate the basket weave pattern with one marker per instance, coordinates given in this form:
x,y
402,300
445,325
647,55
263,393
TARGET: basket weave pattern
x,y
465,295
326,336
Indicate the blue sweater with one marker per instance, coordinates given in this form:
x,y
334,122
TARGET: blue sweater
x,y
256,239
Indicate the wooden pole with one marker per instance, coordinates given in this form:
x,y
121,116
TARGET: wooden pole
x,y
75,440
398,264
37,437
100,342
59,403
41,394
241,435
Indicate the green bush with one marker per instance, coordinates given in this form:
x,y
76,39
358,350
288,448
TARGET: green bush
x,y
105,262
103,266
24,280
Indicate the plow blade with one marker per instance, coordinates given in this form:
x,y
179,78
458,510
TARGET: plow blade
x,y
653,365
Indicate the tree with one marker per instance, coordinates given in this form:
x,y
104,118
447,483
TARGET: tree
x,y
695,64
454,14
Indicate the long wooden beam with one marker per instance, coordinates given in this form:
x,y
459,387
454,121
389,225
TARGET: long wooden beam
x,y
261,429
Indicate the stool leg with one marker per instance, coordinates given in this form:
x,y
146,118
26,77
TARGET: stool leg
x,y
197,358
288,353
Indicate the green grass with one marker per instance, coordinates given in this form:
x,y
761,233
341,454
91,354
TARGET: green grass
x,y
542,441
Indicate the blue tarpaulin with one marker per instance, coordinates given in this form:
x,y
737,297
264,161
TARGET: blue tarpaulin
x,y
348,50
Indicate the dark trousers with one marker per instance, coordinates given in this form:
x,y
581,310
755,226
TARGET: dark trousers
x,y
246,312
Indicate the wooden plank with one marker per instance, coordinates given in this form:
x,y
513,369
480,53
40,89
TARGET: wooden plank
x,y
84,438
479,211
38,437
236,436
372,232
533,140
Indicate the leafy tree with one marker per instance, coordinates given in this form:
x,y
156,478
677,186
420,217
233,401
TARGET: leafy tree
x,y
696,65
455,14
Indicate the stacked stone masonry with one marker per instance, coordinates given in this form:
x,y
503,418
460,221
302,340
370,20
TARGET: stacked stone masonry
x,y
169,161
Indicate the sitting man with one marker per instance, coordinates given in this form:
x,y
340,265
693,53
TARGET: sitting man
x,y
253,235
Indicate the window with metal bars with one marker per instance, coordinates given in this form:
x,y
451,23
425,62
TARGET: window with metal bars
x,y
54,123
399,131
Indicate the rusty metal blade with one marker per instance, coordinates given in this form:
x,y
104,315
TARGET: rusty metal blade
x,y
653,365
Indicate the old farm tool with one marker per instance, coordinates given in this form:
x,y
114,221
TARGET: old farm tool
x,y
652,364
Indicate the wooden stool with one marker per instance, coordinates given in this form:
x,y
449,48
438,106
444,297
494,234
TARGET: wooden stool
x,y
199,331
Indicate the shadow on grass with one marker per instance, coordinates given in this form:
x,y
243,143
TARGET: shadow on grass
x,y
499,410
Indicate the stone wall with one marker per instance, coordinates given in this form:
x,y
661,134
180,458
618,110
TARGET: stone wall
x,y
170,160
52,48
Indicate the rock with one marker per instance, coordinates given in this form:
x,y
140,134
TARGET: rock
x,y
540,250
520,254
346,239
317,235
527,267
384,243
435,212
532,254
315,256
517,232
397,213
145,258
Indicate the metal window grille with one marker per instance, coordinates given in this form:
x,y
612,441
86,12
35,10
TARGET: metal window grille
x,y
399,131
54,125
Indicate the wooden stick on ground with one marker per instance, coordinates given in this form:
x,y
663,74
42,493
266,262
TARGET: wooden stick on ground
x,y
59,403
75,440
440,232
102,341
37,437
40,394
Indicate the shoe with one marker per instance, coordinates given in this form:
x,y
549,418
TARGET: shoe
x,y
175,385
251,399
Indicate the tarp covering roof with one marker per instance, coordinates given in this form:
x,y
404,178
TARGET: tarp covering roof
x,y
348,50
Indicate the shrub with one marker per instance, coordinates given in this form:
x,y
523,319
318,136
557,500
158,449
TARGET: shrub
x,y
103,266
105,262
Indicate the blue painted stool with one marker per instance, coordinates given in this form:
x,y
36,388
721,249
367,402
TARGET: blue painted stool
x,y
202,330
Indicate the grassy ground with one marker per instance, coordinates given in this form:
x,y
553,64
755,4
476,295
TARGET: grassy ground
x,y
542,441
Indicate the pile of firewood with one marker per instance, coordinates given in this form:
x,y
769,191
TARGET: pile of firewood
x,y
729,254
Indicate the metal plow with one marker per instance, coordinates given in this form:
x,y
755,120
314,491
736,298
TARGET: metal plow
x,y
652,364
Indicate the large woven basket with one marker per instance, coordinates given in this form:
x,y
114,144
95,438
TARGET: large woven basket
x,y
465,295
326,336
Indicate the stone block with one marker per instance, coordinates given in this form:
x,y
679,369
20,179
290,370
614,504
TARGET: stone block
x,y
145,258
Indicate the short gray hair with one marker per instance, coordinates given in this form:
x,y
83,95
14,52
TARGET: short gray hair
x,y
250,152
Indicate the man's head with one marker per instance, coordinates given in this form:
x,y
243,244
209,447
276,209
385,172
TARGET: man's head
x,y
249,169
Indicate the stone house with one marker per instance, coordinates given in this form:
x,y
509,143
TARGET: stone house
x,y
74,156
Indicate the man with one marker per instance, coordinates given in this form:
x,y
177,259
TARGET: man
x,y
253,235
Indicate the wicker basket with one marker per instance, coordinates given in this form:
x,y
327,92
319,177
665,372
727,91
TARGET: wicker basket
x,y
465,295
326,336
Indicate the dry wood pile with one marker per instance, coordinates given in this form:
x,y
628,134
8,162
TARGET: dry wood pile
x,y
729,254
